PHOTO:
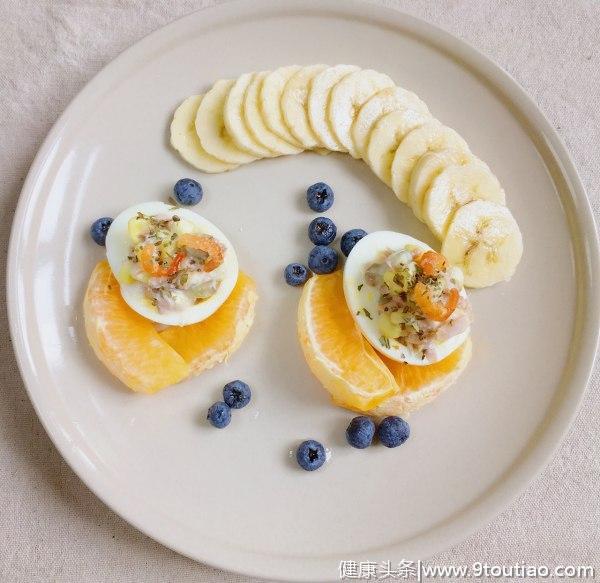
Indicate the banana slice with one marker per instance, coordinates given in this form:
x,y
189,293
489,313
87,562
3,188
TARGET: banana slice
x,y
270,102
235,121
455,187
383,102
426,169
256,124
347,97
210,126
294,104
185,140
430,137
318,100
386,136
484,240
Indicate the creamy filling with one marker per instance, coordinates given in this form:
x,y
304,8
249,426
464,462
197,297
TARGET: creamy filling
x,y
178,266
419,302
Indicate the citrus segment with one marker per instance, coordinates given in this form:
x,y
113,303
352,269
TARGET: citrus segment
x,y
214,340
127,344
411,377
335,350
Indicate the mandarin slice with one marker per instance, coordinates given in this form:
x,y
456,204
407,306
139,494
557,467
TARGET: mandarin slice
x,y
336,351
419,385
214,340
412,378
127,344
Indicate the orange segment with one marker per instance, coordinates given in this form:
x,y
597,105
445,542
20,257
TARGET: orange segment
x,y
421,384
207,343
411,377
124,341
335,350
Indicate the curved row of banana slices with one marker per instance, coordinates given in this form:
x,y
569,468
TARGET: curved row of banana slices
x,y
362,112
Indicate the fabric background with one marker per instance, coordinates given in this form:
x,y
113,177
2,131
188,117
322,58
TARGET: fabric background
x,y
51,527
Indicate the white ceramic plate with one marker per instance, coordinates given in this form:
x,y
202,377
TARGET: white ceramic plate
x,y
233,498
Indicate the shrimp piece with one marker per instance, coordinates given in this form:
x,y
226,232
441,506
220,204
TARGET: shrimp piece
x,y
206,244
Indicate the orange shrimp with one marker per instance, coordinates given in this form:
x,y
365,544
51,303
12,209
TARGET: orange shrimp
x,y
207,244
437,311
151,266
431,263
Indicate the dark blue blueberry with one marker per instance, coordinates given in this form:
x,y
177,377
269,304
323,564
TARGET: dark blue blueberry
x,y
322,259
310,455
99,229
393,431
187,192
360,432
237,394
296,274
322,231
319,197
351,238
219,414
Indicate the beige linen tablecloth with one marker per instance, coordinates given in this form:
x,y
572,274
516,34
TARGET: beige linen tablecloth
x,y
51,527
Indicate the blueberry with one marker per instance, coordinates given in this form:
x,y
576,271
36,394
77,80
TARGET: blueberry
x,y
310,455
360,432
319,197
99,229
322,259
219,415
393,431
237,394
187,192
322,231
295,274
351,238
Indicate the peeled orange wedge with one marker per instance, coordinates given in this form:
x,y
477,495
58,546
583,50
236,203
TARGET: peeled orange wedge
x,y
212,341
421,384
128,344
335,350
413,378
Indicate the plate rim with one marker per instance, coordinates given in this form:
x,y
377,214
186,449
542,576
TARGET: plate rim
x,y
536,454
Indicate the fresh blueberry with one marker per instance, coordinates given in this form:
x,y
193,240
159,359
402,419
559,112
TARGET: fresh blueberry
x,y
351,238
99,229
219,415
310,455
322,231
393,431
360,432
237,394
319,197
322,259
187,192
296,274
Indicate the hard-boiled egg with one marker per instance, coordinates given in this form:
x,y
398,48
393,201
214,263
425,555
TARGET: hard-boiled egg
x,y
127,230
363,299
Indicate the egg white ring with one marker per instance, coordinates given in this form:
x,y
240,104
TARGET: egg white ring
x,y
118,245
364,254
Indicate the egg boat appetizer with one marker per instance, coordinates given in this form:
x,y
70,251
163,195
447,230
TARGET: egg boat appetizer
x,y
174,266
170,301
393,330
406,299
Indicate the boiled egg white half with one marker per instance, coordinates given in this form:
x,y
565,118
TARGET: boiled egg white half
x,y
118,246
366,252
